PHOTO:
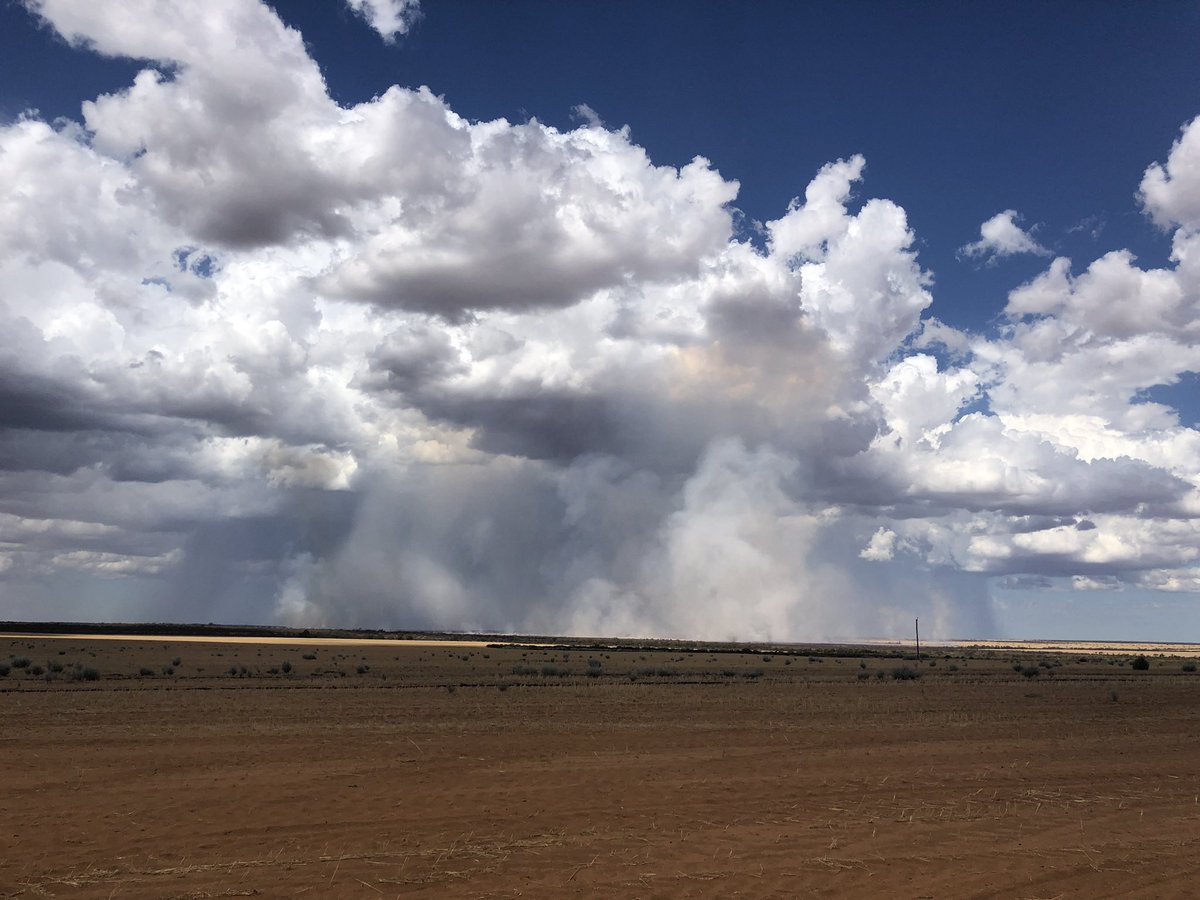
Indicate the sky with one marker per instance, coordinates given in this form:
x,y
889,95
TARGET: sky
x,y
780,322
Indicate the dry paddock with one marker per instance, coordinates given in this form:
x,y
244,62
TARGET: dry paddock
x,y
194,770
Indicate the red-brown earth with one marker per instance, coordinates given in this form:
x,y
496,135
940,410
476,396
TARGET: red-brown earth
x,y
431,771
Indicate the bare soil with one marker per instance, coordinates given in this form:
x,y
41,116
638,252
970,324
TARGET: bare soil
x,y
435,771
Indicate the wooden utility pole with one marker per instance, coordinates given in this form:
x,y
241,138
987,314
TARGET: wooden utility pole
x,y
917,626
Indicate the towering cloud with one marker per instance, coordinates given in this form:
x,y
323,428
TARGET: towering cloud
x,y
268,357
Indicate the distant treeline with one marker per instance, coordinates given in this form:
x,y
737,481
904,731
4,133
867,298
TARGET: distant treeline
x,y
213,630
550,641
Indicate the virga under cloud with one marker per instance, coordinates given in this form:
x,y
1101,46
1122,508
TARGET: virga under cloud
x,y
381,365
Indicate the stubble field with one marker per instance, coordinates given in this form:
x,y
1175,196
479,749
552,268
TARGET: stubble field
x,y
189,769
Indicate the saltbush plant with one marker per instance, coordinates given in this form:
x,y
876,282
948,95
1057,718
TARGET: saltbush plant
x,y
651,672
84,673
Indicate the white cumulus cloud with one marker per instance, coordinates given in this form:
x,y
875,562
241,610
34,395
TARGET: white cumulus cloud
x,y
1001,236
389,17
266,356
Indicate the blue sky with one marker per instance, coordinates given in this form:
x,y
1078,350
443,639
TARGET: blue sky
x,y
1052,111
962,110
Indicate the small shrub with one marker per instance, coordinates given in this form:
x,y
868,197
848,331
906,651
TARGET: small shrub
x,y
84,673
554,671
361,670
273,670
1188,667
753,673
905,673
952,668
502,686
880,674
55,667
176,661
233,670
1112,695
1140,663
5,668
145,672
36,671
309,656
864,676
651,672
287,667
593,663
862,663
524,670
20,662
1031,671
1017,667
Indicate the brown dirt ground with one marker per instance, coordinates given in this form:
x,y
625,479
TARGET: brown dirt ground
x,y
419,776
